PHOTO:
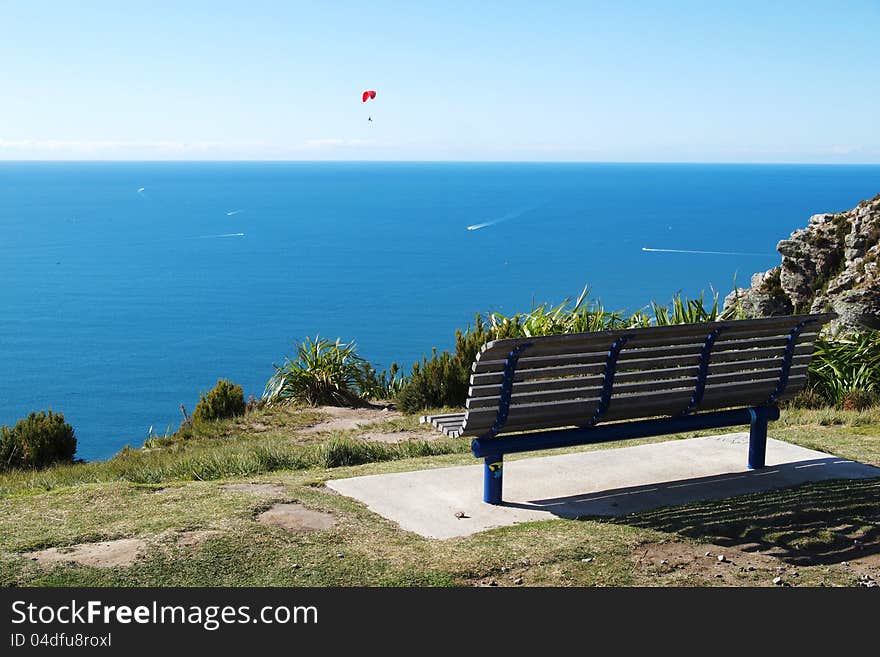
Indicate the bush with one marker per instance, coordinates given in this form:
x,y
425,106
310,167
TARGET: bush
x,y
860,400
845,370
323,372
39,440
443,379
380,385
224,400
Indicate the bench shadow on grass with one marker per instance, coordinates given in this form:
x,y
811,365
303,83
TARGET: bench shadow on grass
x,y
806,522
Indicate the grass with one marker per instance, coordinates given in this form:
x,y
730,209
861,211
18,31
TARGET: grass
x,y
846,369
155,495
814,524
234,457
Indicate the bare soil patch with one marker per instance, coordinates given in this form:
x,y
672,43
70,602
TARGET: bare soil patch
x,y
296,518
725,565
256,488
346,419
105,554
196,537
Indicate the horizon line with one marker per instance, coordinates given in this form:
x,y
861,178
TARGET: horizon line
x,y
420,161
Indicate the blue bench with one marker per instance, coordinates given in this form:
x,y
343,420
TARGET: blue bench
x,y
529,394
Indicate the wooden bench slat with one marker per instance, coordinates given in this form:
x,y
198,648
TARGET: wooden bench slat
x,y
798,360
583,409
655,336
630,351
527,362
548,373
560,373
440,416
712,400
594,387
521,386
626,409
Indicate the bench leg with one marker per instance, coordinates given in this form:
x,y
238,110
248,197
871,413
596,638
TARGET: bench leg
x,y
493,472
757,438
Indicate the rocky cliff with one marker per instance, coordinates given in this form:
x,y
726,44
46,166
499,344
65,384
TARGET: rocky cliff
x,y
831,265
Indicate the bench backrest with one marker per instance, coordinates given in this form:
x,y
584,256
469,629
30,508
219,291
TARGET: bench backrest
x,y
581,379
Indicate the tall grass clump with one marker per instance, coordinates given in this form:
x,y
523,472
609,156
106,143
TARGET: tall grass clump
x,y
204,461
323,373
845,370
680,310
37,441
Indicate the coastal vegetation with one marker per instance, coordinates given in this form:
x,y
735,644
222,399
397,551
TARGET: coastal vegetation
x,y
333,373
187,506
37,441
844,374
225,399
845,370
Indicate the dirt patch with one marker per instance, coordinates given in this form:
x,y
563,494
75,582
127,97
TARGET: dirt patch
x,y
724,565
256,488
345,419
195,537
296,518
398,436
106,554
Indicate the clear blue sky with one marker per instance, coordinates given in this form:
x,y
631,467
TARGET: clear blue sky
x,y
596,81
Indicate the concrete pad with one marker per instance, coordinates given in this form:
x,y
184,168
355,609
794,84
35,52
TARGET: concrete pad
x,y
605,482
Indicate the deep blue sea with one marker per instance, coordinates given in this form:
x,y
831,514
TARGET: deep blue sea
x,y
127,288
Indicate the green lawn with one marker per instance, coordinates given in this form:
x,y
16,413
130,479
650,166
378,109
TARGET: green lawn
x,y
817,534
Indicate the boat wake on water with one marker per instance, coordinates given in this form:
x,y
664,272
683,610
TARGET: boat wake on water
x,y
730,253
507,217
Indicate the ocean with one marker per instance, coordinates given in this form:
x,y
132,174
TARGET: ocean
x,y
128,288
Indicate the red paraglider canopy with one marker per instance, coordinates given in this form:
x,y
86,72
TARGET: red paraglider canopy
x,y
368,95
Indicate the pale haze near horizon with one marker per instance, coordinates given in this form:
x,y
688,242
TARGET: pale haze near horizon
x,y
498,81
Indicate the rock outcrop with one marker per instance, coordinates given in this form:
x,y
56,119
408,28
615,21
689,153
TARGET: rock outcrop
x,y
831,265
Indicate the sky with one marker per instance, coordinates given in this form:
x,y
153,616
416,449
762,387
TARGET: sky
x,y
672,81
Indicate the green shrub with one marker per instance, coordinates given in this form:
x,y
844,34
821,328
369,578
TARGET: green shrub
x,y
323,372
380,385
39,440
443,379
845,370
225,399
440,381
